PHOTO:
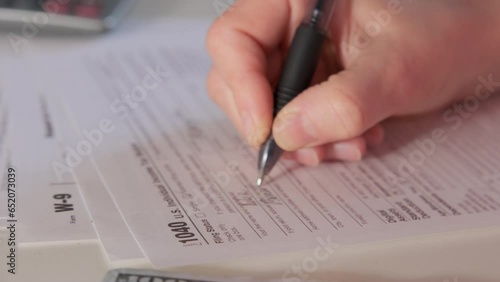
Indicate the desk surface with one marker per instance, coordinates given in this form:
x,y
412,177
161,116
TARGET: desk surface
x,y
472,255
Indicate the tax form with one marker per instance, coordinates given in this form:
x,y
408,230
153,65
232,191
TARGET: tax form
x,y
116,239
184,181
47,132
46,209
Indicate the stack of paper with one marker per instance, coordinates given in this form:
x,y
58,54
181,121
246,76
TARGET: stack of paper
x,y
119,141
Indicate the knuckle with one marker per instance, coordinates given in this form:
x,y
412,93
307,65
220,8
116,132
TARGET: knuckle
x,y
400,73
212,41
404,80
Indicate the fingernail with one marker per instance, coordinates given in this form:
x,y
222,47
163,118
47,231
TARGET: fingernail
x,y
293,130
346,151
308,156
247,123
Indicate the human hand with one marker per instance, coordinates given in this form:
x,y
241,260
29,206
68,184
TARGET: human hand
x,y
397,58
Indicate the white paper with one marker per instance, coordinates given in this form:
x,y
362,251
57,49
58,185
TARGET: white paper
x,y
47,209
111,229
184,182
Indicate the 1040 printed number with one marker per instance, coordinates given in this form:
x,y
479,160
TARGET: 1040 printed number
x,y
181,231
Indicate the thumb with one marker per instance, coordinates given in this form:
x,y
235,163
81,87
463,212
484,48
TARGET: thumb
x,y
343,107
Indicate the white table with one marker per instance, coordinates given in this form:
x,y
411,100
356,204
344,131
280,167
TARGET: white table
x,y
455,257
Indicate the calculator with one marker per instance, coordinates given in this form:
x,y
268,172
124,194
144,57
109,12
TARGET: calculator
x,y
72,15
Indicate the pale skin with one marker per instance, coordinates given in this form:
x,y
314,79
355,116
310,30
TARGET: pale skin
x,y
426,55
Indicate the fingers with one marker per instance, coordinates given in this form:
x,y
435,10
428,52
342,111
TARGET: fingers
x,y
245,44
245,75
355,148
349,150
246,51
222,95
240,43
343,107
374,136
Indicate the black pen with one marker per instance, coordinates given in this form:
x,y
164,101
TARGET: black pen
x,y
297,72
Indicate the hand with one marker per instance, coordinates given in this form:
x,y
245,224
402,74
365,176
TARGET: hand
x,y
396,58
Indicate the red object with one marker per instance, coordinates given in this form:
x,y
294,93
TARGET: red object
x,y
57,7
88,9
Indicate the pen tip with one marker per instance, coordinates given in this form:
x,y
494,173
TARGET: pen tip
x,y
259,181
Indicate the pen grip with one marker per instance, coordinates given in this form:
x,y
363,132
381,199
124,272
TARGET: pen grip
x,y
300,65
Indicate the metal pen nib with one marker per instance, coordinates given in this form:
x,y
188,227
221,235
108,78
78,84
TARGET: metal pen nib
x,y
260,180
298,70
269,154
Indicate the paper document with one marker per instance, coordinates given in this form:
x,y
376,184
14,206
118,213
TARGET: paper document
x,y
47,209
111,229
184,181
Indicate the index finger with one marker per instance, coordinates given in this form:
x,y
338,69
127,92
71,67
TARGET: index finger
x,y
240,43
